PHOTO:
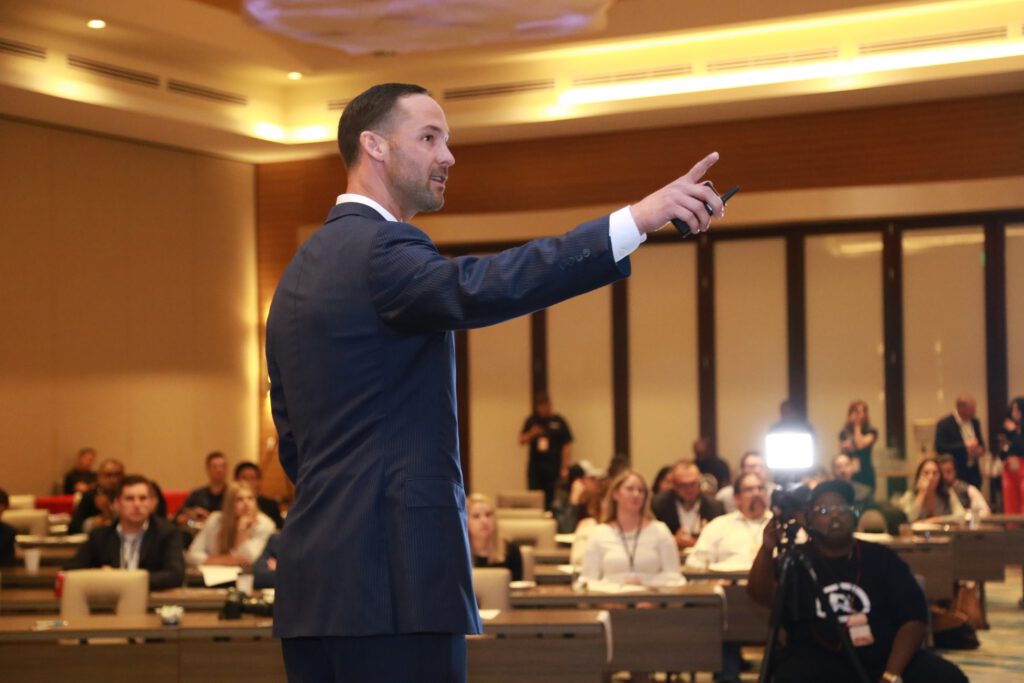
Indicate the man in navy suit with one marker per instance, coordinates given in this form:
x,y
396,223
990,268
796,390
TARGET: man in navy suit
x,y
959,434
373,572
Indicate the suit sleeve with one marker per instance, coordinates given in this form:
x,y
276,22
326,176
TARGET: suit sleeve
x,y
172,556
947,437
87,556
287,451
416,290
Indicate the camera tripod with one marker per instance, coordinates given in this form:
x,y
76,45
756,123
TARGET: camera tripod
x,y
791,560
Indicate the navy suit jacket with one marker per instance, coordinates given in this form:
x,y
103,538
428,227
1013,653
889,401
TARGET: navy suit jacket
x,y
664,508
948,439
362,368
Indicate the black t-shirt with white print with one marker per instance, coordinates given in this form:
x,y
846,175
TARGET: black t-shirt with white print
x,y
872,580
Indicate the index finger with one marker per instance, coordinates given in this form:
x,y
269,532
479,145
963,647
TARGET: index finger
x,y
700,168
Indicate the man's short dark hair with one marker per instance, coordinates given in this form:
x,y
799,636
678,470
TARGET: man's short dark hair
x,y
943,458
4,498
368,111
111,461
210,457
134,480
246,465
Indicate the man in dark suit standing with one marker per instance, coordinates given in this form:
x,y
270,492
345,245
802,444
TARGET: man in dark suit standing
x,y
373,572
683,508
138,539
959,434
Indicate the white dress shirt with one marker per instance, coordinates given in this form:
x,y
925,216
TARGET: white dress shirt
x,y
730,538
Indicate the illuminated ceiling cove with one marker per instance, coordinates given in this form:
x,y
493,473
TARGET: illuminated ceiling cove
x,y
202,74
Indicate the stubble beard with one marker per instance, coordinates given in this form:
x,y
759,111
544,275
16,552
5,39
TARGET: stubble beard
x,y
415,192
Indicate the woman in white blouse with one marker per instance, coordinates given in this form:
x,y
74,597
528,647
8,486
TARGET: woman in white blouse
x,y
236,535
630,546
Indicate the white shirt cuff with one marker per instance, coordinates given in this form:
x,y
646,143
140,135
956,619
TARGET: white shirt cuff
x,y
624,234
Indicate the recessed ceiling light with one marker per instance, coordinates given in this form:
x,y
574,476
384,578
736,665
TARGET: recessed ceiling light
x,y
294,76
96,24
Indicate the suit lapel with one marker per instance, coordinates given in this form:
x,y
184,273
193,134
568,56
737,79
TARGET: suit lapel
x,y
352,209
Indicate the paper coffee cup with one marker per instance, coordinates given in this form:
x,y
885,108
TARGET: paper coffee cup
x,y
245,583
32,557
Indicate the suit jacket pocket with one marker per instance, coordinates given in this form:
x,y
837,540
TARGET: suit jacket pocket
x,y
435,492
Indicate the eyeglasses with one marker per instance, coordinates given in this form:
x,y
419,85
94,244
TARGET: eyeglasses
x,y
688,484
753,489
841,510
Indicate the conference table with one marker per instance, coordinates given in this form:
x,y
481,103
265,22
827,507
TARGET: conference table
x,y
653,629
44,601
566,646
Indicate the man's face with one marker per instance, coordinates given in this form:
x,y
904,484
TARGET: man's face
x,y
217,470
966,409
250,476
544,409
842,468
85,461
948,471
418,157
687,483
832,518
135,504
751,497
109,477
754,464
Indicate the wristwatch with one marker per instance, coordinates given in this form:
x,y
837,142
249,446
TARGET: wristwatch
x,y
892,678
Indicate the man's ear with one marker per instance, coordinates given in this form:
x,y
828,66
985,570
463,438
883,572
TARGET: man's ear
x,y
375,146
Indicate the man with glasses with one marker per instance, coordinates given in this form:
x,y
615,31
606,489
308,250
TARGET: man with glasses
x,y
95,509
878,602
683,508
733,539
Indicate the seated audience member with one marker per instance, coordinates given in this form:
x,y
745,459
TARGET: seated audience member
x,y
251,474
95,509
862,579
203,501
969,495
683,508
842,469
489,549
264,569
629,546
734,537
752,462
959,434
139,540
81,478
930,496
856,440
662,481
234,535
8,534
709,462
592,512
1011,451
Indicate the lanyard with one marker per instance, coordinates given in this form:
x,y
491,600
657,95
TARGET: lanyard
x,y
631,554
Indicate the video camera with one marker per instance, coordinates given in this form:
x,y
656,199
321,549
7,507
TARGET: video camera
x,y
789,454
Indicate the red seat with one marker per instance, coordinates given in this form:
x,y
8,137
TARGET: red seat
x,y
56,504
174,500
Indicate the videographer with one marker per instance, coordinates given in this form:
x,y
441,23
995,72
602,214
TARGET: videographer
x,y
871,590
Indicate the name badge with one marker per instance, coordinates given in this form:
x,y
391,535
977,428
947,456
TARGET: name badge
x,y
860,630
543,444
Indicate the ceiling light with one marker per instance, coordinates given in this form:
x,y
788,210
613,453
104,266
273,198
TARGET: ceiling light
x,y
294,76
842,69
96,24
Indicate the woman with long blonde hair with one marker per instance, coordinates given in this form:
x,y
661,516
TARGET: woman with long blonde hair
x,y
236,535
629,546
489,549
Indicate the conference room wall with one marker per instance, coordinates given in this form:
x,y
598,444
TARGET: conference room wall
x,y
663,400
499,390
1014,310
580,372
845,338
750,342
943,323
129,304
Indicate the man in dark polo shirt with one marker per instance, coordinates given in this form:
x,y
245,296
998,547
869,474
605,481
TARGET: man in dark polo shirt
x,y
550,441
